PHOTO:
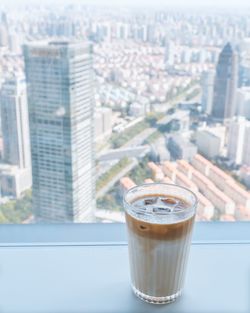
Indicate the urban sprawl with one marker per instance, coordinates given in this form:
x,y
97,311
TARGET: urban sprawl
x,y
96,100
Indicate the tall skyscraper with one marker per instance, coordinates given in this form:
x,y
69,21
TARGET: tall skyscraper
x,y
207,91
236,139
15,172
15,122
225,84
60,99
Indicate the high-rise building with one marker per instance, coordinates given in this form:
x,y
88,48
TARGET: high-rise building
x,y
15,172
236,141
246,147
3,36
60,99
207,91
244,72
15,122
169,56
103,123
151,33
225,84
208,143
243,101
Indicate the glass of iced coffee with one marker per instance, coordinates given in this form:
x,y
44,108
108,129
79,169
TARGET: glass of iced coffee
x,y
159,220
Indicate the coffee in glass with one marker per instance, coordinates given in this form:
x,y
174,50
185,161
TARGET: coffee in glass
x,y
159,220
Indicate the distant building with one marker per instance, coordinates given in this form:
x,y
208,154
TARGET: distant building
x,y
245,175
201,164
15,122
205,209
246,146
137,109
103,123
221,201
243,101
208,143
16,176
242,214
181,148
169,56
157,172
169,170
219,177
207,91
14,181
244,73
225,84
239,195
3,36
126,183
151,33
236,139
201,181
182,180
159,151
184,167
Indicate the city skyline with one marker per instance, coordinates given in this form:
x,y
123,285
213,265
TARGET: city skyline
x,y
161,3
142,95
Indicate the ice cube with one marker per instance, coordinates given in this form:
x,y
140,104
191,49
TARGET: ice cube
x,y
162,210
150,201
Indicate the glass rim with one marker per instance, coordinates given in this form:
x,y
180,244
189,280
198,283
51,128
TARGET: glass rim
x,y
192,206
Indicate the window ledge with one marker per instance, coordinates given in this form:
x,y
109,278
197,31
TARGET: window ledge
x,y
101,233
87,266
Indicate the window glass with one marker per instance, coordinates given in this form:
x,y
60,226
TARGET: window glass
x,y
97,97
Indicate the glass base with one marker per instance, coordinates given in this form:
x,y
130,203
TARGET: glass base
x,y
156,300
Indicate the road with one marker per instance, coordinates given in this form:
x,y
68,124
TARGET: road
x,y
134,143
138,141
142,136
134,152
177,115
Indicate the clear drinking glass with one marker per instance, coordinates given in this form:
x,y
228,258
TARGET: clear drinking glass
x,y
159,220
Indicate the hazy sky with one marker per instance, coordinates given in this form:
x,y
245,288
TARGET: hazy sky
x,y
184,3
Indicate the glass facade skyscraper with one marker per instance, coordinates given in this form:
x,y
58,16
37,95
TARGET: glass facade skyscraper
x,y
225,84
207,81
60,99
15,123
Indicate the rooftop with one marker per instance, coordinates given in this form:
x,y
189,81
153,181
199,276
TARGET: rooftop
x,y
185,164
203,160
203,200
219,194
186,180
127,183
203,178
220,173
239,189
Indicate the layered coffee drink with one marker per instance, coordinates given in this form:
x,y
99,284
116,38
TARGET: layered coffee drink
x,y
159,219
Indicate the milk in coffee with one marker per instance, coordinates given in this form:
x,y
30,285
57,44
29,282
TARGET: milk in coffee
x,y
159,234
